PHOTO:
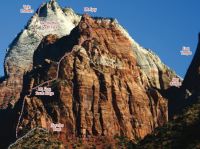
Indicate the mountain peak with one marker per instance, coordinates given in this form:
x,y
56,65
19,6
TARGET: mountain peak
x,y
49,8
84,73
49,19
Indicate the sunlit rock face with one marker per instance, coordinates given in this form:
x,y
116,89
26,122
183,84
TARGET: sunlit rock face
x,y
99,88
100,81
50,18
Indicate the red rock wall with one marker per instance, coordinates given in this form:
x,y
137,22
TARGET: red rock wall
x,y
99,89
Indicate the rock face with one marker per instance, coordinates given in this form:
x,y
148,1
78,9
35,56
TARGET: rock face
x,y
183,130
98,87
50,18
192,78
100,82
188,93
10,90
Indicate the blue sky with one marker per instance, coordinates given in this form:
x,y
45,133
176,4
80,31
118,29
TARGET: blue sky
x,y
164,26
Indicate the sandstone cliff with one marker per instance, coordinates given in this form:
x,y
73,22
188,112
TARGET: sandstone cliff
x,y
50,18
100,81
99,89
183,130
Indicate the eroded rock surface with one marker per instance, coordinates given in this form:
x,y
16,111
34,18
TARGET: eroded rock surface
x,y
102,82
99,90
